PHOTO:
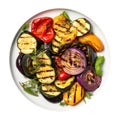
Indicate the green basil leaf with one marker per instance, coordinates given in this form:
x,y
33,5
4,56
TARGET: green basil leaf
x,y
63,103
98,65
25,27
66,15
30,91
88,95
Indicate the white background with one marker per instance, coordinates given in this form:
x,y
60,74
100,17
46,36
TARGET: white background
x,y
106,104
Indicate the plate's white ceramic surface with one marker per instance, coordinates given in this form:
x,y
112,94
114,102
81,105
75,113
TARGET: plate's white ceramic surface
x,y
18,77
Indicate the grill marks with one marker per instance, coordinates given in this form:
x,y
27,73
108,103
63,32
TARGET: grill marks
x,y
46,74
26,43
64,85
73,61
56,43
64,33
63,27
82,26
50,90
74,95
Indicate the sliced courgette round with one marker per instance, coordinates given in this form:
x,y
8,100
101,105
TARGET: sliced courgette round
x,y
42,59
46,74
50,92
82,25
26,43
64,85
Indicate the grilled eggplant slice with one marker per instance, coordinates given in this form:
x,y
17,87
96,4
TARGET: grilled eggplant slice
x,y
82,25
74,95
27,67
46,74
18,63
51,93
26,43
64,85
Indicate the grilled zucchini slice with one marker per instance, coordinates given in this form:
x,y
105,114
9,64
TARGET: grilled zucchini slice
x,y
42,59
56,44
82,25
46,74
26,43
64,85
50,92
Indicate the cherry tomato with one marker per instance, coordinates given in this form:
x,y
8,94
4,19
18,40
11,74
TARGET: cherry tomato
x,y
43,28
63,75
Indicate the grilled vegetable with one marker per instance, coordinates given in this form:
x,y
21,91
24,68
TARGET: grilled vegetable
x,y
74,95
26,43
89,80
28,69
42,59
57,64
64,85
73,61
93,41
18,63
42,28
46,74
90,54
63,75
98,65
82,25
56,44
50,92
65,32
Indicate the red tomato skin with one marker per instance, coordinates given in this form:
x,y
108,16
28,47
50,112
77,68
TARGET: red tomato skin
x,y
63,75
42,28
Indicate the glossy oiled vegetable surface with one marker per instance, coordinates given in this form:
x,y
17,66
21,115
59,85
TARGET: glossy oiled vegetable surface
x,y
59,58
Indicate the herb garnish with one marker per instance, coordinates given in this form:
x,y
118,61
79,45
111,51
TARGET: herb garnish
x,y
66,15
25,26
31,87
88,95
63,104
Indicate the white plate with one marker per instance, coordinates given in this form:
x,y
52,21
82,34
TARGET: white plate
x,y
18,77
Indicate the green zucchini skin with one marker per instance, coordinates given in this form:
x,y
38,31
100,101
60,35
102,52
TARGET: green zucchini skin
x,y
82,25
48,91
64,85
